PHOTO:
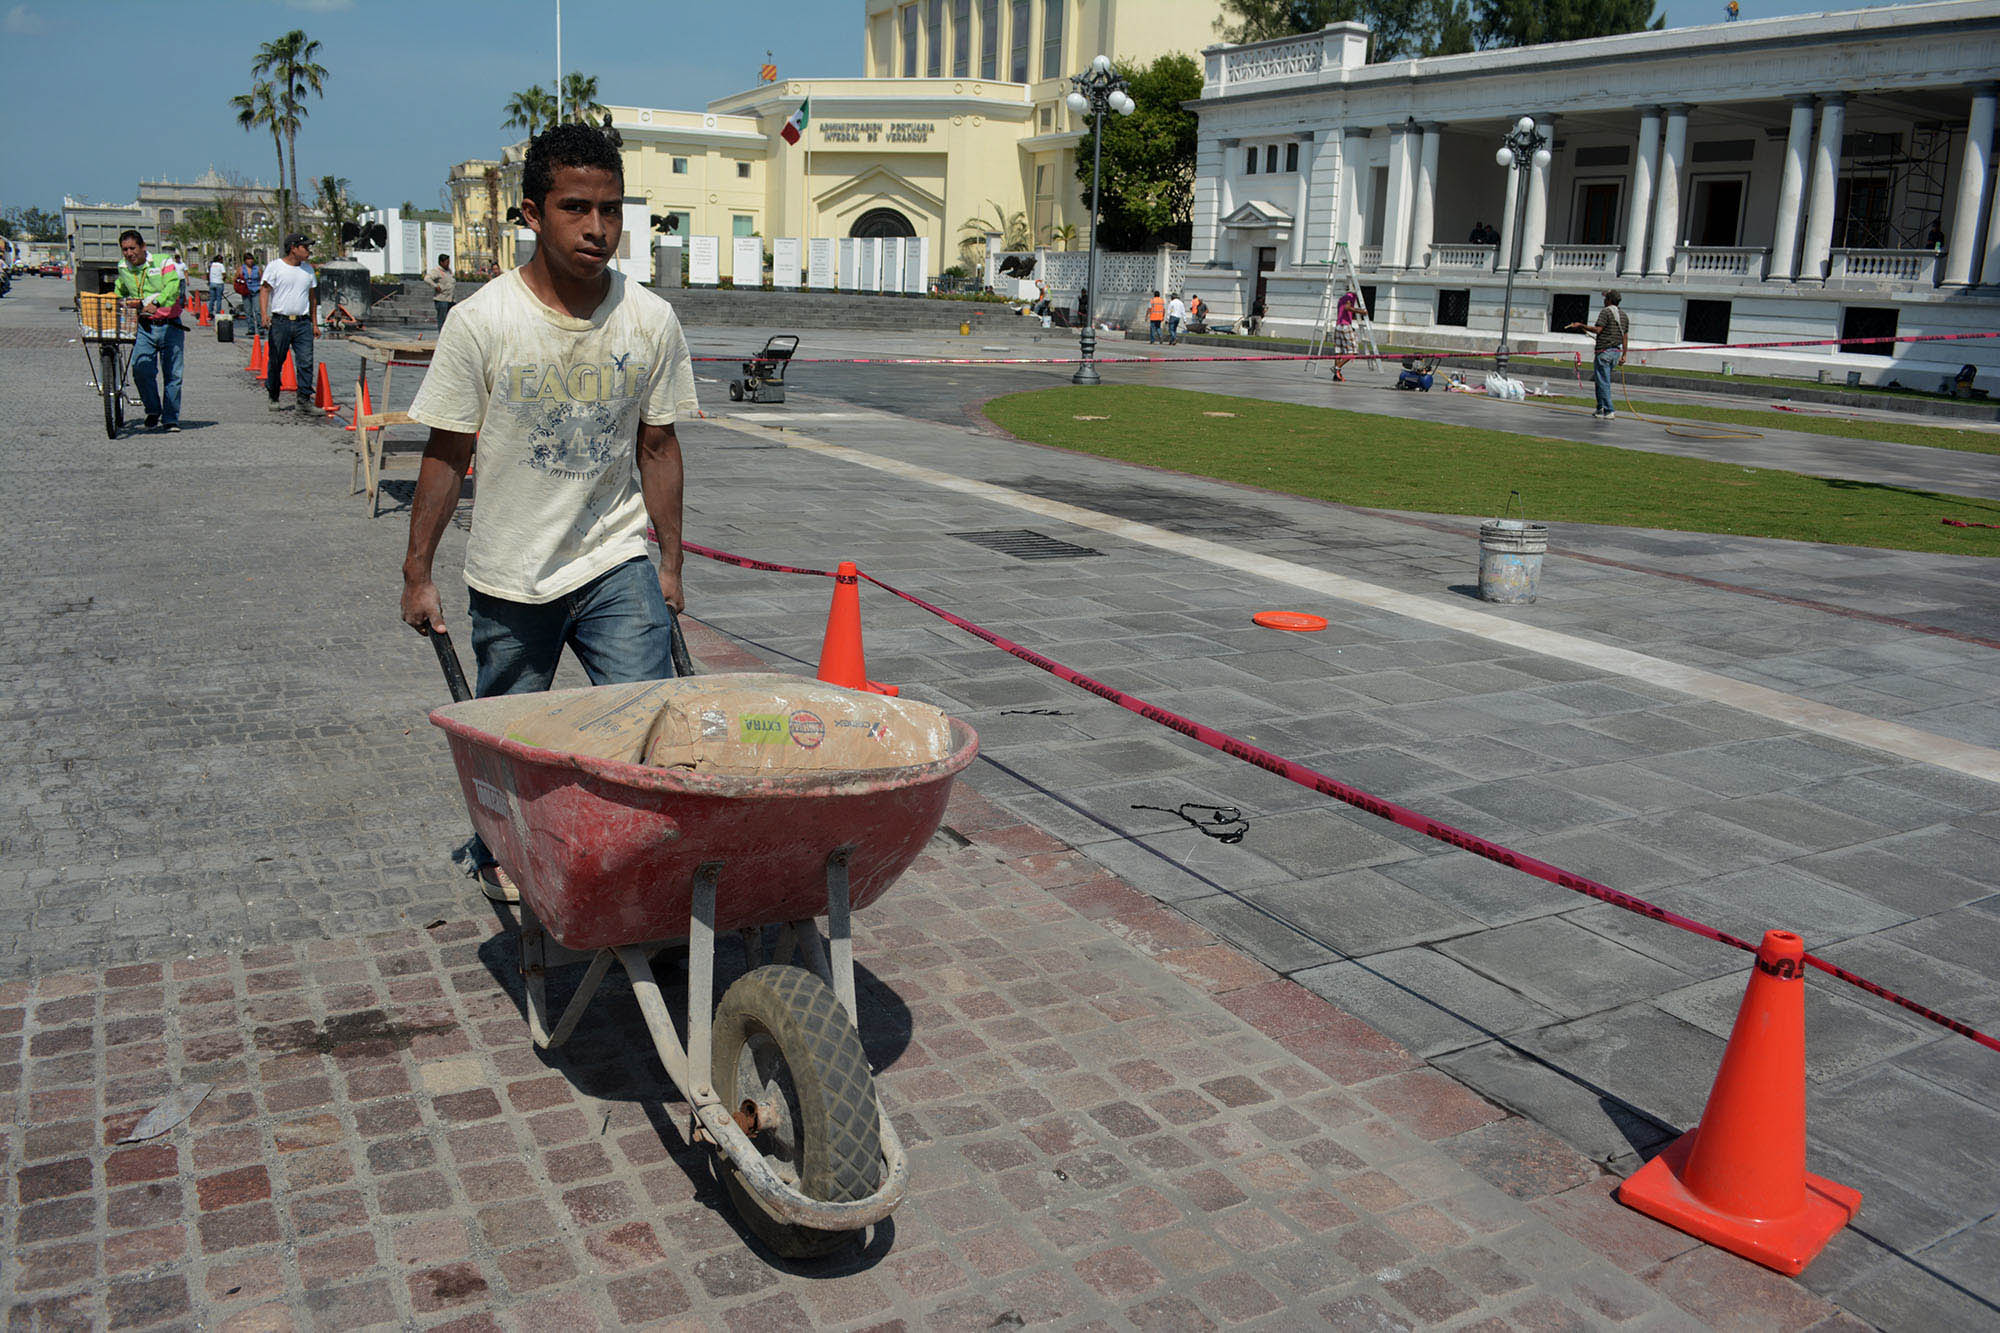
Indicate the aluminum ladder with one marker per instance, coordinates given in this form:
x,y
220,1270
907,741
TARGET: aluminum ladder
x,y
1340,279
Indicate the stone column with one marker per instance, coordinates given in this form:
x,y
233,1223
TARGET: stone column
x,y
1535,227
1302,199
1396,215
1353,171
1990,270
1423,222
1965,240
1667,193
1818,251
1639,212
1225,189
1505,255
1791,191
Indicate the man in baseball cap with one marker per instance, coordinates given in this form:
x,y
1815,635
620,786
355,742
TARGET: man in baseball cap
x,y
289,303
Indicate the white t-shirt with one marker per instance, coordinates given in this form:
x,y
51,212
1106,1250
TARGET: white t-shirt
x,y
291,287
1175,310
216,272
556,402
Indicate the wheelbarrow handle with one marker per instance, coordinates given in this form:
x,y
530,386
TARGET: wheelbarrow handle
x,y
454,674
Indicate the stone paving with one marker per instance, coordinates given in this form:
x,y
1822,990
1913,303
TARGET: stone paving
x,y
219,752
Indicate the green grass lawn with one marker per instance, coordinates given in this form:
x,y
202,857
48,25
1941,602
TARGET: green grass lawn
x,y
1809,423
1388,462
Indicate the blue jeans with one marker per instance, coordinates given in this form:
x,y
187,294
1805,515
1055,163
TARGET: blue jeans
x,y
1173,328
292,334
156,356
1600,370
217,301
1152,330
250,312
619,626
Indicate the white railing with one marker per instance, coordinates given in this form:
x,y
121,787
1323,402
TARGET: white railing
x,y
1273,60
1916,267
1582,258
1369,257
1720,261
1463,257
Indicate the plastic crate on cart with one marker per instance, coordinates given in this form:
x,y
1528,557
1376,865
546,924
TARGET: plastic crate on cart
x,y
100,313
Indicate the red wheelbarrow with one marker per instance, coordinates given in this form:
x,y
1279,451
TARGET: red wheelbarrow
x,y
765,800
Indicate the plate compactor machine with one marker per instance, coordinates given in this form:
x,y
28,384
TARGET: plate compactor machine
x,y
764,376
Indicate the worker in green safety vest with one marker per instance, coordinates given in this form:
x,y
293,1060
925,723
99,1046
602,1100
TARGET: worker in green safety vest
x,y
154,284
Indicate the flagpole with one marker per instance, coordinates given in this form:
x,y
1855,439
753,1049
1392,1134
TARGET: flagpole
x,y
559,87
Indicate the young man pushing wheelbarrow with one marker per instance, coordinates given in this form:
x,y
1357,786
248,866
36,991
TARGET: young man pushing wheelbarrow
x,y
570,379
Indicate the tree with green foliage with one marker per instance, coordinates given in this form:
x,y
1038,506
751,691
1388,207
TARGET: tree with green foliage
x,y
292,63
1514,23
1401,28
1148,172
532,109
1011,228
580,104
31,224
258,109
333,199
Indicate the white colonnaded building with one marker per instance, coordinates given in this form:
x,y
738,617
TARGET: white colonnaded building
x,y
1814,177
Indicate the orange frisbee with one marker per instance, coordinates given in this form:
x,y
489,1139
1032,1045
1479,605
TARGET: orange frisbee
x,y
1296,621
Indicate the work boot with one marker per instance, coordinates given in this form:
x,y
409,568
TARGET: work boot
x,y
152,420
278,405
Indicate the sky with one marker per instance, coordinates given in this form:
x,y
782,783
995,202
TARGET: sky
x,y
414,85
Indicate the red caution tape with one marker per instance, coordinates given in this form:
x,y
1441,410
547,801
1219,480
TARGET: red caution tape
x,y
1356,797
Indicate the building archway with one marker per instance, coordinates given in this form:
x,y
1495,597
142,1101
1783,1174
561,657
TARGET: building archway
x,y
882,222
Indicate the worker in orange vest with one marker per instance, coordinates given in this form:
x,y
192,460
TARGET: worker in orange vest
x,y
1156,314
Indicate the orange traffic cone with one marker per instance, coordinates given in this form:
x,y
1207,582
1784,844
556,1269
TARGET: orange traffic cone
x,y
289,382
257,354
1738,1180
323,392
201,316
840,658
363,406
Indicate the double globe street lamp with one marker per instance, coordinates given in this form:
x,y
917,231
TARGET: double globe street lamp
x,y
1094,92
1524,149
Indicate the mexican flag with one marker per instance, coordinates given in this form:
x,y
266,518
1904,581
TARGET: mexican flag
x,y
796,126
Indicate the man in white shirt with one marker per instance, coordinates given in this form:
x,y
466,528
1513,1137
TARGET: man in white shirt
x,y
444,287
289,303
217,275
1176,312
572,379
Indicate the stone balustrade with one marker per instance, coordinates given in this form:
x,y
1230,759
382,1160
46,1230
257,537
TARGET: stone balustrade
x,y
1581,258
1911,267
1743,262
1368,257
1460,258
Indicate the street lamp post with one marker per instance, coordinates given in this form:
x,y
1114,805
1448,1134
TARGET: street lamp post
x,y
1524,148
1093,92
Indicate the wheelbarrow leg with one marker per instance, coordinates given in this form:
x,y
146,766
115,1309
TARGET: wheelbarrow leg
x,y
834,966
535,961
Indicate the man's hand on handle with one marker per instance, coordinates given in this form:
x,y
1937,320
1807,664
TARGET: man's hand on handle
x,y
670,588
422,611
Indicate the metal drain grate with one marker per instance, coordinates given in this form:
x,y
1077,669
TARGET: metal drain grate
x,y
1025,545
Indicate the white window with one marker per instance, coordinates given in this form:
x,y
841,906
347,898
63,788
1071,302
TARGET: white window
x,y
1052,38
680,166
743,171
742,224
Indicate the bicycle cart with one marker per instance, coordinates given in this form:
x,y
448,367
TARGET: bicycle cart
x,y
109,329
764,801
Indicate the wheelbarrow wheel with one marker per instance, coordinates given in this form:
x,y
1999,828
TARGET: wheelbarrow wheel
x,y
783,1041
736,391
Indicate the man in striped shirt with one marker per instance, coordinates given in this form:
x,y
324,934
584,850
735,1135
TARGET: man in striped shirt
x,y
1613,331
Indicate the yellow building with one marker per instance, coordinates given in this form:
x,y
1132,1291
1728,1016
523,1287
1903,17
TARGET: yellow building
x,y
480,235
959,115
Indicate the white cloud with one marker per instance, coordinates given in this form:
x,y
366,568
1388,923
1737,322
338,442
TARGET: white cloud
x,y
22,21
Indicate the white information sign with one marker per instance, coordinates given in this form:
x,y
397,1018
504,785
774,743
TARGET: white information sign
x,y
704,261
916,263
785,262
870,279
411,249
892,263
746,261
438,240
819,262
850,264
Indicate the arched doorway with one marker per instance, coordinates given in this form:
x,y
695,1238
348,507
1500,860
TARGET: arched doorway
x,y
882,222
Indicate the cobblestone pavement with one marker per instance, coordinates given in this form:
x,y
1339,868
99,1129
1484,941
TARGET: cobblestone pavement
x,y
217,749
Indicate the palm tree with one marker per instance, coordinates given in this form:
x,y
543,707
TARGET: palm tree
x,y
333,198
532,109
1011,228
258,107
1064,236
291,61
579,93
